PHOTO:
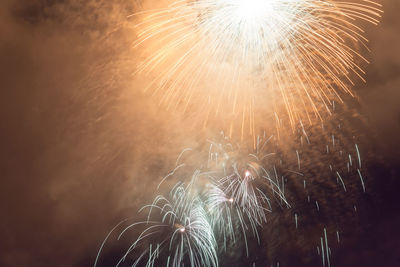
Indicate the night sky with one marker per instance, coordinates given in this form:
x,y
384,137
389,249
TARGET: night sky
x,y
81,147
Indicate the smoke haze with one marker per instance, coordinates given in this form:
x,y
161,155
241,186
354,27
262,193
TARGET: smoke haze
x,y
83,148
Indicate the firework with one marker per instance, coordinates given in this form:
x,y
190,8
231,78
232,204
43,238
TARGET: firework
x,y
176,232
227,201
240,190
236,57
248,175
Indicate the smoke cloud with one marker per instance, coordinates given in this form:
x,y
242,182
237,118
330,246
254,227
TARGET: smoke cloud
x,y
83,148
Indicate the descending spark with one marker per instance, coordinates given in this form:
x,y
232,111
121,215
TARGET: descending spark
x,y
358,155
362,180
337,236
233,57
325,249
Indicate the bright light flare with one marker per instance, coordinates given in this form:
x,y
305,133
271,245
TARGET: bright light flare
x,y
252,10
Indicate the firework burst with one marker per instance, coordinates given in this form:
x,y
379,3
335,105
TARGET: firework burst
x,y
176,232
239,194
248,175
237,57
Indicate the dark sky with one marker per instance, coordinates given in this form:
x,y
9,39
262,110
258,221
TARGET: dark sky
x,y
80,147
